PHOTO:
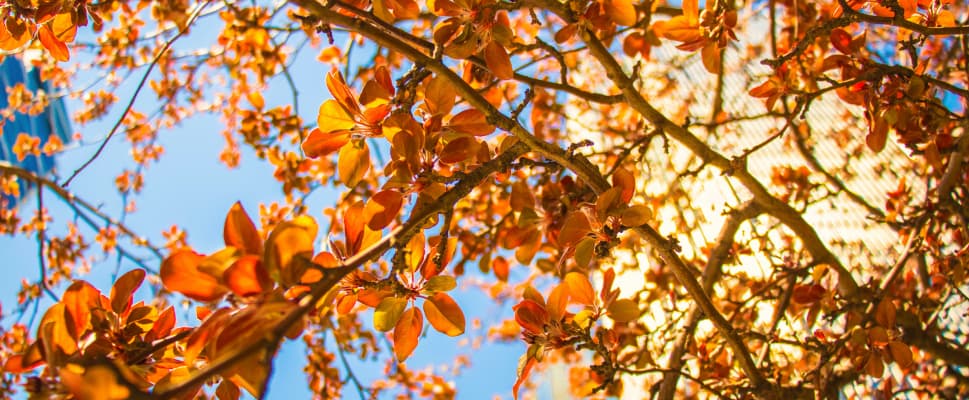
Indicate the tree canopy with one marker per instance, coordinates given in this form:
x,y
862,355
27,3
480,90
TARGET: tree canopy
x,y
727,199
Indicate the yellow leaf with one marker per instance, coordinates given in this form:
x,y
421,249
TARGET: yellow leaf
x,y
388,313
353,162
333,118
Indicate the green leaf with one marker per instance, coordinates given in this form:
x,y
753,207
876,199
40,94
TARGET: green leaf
x,y
440,283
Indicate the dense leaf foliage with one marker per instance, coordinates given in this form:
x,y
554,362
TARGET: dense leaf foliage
x,y
727,199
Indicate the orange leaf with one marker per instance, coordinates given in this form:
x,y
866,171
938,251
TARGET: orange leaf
x,y
521,196
180,273
353,226
163,325
439,96
531,316
289,241
710,54
458,150
524,369
345,302
414,252
625,179
124,287
472,122
79,299
558,300
64,27
680,29
353,162
501,268
53,45
444,314
575,227
498,61
407,332
240,232
382,208
580,289
321,144
247,277
622,12
342,93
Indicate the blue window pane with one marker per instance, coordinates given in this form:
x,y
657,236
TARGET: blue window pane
x,y
52,120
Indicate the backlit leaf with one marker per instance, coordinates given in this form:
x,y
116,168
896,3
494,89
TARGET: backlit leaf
x,y
382,208
407,332
321,144
531,316
247,277
353,162
622,12
444,314
524,369
290,239
180,273
558,300
388,312
580,289
472,122
342,93
124,288
439,96
575,227
53,45
333,118
624,310
459,149
636,215
240,232
625,180
440,283
498,61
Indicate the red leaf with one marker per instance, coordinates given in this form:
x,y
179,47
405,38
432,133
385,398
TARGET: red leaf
x,y
841,40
